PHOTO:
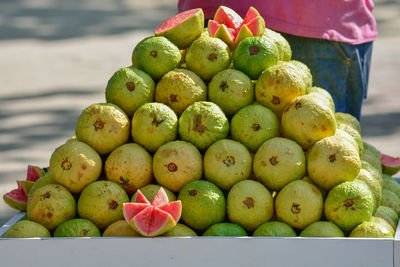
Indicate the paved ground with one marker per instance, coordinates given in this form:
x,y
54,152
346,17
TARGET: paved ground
x,y
56,57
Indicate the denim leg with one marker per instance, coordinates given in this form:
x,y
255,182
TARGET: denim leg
x,y
341,69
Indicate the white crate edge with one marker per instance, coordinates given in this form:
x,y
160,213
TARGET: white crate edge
x,y
198,251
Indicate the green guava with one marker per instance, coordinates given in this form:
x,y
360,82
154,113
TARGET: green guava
x,y
323,95
307,119
373,184
225,229
253,125
349,204
77,228
371,155
285,52
42,181
26,229
274,228
103,126
348,119
129,88
156,56
341,134
180,88
375,173
154,124
353,133
374,228
231,90
389,215
249,204
180,230
227,162
305,72
391,185
120,228
129,165
101,202
299,204
151,190
255,54
51,205
391,200
278,85
331,161
183,28
177,163
203,123
75,165
322,229
203,204
207,56
279,161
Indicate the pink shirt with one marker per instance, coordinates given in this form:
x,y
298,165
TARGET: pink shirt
x,y
348,21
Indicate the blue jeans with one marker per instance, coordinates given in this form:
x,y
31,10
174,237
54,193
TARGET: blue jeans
x,y
342,69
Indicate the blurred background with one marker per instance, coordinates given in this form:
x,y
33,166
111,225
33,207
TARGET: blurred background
x,y
56,58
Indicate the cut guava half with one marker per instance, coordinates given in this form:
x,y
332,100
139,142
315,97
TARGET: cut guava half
x,y
390,165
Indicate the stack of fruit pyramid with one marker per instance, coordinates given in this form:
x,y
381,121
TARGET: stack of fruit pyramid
x,y
224,121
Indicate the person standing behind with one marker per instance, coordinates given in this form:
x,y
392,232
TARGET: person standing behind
x,y
333,38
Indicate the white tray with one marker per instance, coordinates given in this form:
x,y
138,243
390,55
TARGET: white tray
x,y
198,251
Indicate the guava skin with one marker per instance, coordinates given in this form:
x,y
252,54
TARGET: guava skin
x,y
253,125
101,202
227,162
51,205
129,88
203,123
203,204
274,228
77,228
304,71
322,229
349,204
331,161
207,56
177,163
249,204
231,90
156,56
323,95
180,88
151,190
307,120
153,125
278,162
278,85
299,204
373,184
374,228
180,230
75,165
103,126
26,229
371,155
225,229
129,165
255,54
120,228
284,50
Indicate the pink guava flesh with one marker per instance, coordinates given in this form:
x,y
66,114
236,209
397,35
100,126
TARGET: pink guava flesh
x,y
160,199
228,16
250,15
131,209
176,20
390,165
213,27
140,198
151,221
18,194
32,173
174,209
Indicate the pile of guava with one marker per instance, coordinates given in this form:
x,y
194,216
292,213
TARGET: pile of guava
x,y
212,131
